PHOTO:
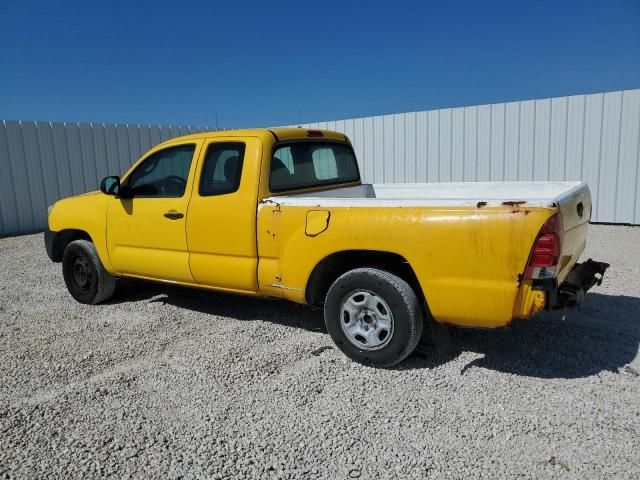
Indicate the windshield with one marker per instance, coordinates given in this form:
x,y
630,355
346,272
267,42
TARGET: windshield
x,y
312,164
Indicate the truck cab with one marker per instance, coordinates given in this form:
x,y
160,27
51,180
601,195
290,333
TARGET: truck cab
x,y
186,211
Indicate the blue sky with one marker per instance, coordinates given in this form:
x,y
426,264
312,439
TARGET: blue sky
x,y
277,62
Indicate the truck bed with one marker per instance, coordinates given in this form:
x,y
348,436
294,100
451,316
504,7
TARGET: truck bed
x,y
571,199
533,194
477,250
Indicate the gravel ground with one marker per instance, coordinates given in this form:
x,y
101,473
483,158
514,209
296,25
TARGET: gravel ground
x,y
169,382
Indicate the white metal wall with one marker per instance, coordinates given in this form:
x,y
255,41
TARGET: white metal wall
x,y
594,138
42,162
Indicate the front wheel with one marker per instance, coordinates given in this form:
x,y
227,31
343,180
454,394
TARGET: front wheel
x,y
373,316
85,276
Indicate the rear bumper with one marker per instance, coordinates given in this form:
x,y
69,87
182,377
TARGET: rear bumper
x,y
571,292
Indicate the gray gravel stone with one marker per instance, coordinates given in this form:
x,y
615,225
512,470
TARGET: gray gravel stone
x,y
165,382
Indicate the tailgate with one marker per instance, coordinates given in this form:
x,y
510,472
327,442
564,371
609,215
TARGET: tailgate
x,y
575,209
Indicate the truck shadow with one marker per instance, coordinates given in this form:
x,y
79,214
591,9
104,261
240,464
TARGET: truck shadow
x,y
222,304
603,336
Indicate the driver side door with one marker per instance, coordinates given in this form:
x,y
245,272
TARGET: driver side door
x,y
146,234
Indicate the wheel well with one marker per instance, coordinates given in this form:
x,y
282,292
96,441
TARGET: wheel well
x,y
64,238
336,264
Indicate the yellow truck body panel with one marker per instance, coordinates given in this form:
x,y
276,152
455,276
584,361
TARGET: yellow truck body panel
x,y
468,256
457,254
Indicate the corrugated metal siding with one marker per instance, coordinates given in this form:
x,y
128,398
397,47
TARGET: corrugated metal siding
x,y
43,162
594,138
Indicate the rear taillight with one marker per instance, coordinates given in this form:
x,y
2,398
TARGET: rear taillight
x,y
545,254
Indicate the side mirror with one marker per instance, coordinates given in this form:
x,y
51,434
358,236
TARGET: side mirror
x,y
110,185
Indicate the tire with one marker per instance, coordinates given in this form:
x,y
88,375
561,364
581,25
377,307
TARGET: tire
x,y
85,276
362,305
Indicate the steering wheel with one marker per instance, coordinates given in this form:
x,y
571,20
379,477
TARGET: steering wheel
x,y
173,184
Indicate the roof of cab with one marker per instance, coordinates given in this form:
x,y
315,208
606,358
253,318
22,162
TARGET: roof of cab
x,y
280,134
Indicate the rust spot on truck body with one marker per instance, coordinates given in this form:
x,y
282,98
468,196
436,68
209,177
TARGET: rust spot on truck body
x,y
276,205
515,206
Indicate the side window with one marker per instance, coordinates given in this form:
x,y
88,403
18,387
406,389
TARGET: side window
x,y
222,168
163,174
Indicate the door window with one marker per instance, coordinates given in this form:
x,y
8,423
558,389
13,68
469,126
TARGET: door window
x,y
222,168
163,174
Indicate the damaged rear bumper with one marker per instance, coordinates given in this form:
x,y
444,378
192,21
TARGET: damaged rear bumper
x,y
570,293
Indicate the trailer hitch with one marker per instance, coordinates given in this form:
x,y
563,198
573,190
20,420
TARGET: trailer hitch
x,y
580,280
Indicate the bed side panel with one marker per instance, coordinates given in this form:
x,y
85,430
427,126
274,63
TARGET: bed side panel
x,y
467,260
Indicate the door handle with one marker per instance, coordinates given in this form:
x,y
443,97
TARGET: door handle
x,y
173,215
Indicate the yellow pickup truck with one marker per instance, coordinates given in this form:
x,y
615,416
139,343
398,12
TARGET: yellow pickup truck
x,y
283,213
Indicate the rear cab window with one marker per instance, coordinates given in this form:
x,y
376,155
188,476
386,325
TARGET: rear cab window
x,y
298,165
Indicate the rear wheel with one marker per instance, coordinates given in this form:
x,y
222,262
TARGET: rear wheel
x,y
85,276
373,316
